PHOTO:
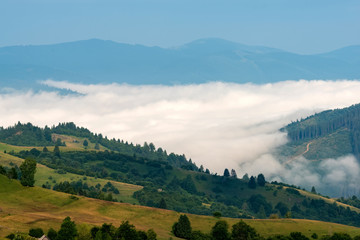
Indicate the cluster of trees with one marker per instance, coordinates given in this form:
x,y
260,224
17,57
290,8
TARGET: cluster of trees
x,y
241,231
253,181
352,201
82,188
69,231
220,231
29,135
26,172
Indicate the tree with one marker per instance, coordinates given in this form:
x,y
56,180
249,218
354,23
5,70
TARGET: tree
x,y
162,204
245,177
151,234
52,234
233,173
2,170
242,231
97,146
298,236
217,214
13,173
45,149
182,227
313,190
220,231
261,180
67,230
57,151
36,232
226,173
126,231
86,143
252,183
28,169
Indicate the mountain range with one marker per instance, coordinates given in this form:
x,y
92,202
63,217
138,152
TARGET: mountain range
x,y
204,60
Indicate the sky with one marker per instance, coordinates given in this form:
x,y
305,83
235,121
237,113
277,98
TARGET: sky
x,y
218,125
305,26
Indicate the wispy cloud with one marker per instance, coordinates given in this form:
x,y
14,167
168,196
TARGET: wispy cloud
x,y
219,125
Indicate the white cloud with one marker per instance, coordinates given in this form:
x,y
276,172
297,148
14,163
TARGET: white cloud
x,y
219,125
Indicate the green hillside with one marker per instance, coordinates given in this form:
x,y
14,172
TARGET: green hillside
x,y
331,134
153,178
23,208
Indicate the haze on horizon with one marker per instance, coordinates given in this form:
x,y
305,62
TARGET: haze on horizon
x,y
305,27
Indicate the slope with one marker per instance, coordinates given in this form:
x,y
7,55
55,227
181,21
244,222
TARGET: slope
x,y
23,208
332,134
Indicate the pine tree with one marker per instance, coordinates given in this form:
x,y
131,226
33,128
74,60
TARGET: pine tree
x,y
252,183
226,173
233,173
261,180
182,227
28,169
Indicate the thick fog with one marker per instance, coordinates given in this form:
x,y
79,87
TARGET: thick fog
x,y
219,125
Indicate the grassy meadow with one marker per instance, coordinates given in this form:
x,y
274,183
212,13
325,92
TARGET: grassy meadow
x,y
23,208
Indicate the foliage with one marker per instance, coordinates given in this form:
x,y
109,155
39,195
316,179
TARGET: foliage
x,y
36,232
52,234
67,230
243,231
261,180
28,168
220,231
252,182
182,227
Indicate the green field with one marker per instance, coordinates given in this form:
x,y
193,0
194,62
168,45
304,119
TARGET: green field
x,y
47,175
23,208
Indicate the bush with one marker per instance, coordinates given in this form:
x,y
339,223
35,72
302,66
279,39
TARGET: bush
x,y
36,232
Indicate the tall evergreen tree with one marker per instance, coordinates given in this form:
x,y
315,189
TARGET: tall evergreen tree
x,y
220,231
252,183
261,180
226,173
28,169
233,173
182,227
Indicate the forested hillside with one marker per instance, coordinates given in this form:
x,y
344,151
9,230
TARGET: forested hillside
x,y
338,129
29,135
169,181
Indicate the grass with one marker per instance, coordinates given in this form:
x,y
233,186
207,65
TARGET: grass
x,y
45,174
23,208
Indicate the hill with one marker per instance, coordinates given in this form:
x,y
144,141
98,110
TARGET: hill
x,y
331,134
161,181
23,208
204,60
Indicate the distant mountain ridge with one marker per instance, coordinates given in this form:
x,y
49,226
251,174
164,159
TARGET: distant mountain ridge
x,y
203,60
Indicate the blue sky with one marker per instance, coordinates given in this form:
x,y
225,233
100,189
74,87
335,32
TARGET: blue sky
x,y
306,26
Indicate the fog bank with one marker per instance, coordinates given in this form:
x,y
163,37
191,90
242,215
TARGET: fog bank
x,y
219,125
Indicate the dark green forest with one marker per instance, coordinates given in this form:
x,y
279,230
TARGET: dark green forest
x,y
326,123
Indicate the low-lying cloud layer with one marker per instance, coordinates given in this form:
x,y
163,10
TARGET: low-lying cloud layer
x,y
219,125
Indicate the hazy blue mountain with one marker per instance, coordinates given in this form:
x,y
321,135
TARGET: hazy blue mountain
x,y
204,60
